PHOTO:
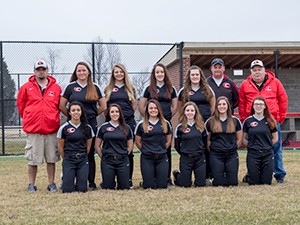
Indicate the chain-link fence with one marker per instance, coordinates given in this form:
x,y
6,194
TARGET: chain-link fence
x,y
18,59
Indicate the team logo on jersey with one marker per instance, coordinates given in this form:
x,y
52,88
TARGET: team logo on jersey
x,y
268,88
71,130
187,130
115,89
110,129
226,85
157,91
150,128
254,124
191,93
77,89
51,93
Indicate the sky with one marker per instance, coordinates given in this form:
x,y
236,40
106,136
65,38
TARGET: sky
x,y
150,21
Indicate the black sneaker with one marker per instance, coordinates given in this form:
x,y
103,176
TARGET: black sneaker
x,y
170,183
175,174
130,184
245,178
93,186
141,184
31,188
280,180
52,187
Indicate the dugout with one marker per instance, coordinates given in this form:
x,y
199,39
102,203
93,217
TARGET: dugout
x,y
283,58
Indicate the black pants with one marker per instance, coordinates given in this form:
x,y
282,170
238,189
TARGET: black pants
x,y
91,155
112,167
188,164
225,168
169,155
75,167
208,173
154,170
131,123
260,165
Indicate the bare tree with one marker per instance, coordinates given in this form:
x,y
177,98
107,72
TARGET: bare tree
x,y
113,54
53,55
140,81
105,56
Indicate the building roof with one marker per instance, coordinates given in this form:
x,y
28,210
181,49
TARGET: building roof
x,y
237,55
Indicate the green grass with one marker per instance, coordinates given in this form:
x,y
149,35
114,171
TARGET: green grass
x,y
275,204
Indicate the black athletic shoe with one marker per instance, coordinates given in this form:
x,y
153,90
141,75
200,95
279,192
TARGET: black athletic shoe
x,y
93,186
31,188
175,173
130,184
245,178
280,180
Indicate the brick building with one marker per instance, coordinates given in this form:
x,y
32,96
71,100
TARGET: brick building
x,y
283,58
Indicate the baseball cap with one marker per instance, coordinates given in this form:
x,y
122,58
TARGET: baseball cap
x,y
217,61
257,62
40,64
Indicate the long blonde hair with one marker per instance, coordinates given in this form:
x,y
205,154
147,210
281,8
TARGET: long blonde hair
x,y
203,86
127,84
160,117
198,118
215,125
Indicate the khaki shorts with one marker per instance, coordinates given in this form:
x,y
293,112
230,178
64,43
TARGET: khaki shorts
x,y
39,147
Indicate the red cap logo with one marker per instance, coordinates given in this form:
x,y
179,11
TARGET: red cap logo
x,y
77,89
226,85
187,130
115,89
150,128
254,124
110,129
71,130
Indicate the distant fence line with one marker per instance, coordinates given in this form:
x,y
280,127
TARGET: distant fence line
x,y
61,57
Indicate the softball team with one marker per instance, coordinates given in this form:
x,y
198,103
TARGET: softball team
x,y
205,125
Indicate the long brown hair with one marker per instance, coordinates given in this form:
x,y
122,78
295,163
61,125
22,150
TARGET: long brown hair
x,y
121,120
127,83
198,118
215,125
203,86
167,81
160,117
267,114
91,94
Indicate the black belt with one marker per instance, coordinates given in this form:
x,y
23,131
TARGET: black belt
x,y
156,155
191,155
76,155
115,157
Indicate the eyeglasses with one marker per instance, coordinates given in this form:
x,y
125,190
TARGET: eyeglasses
x,y
259,104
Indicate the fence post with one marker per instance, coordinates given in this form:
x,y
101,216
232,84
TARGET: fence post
x,y
2,99
19,121
180,49
93,62
276,54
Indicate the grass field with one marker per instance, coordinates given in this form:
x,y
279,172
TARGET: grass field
x,y
275,204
